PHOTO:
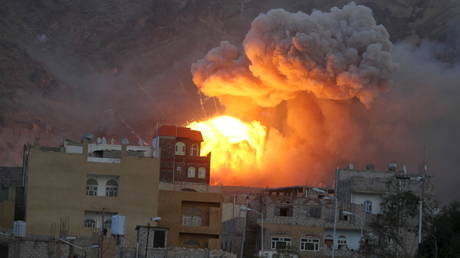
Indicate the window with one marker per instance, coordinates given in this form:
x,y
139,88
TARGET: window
x,y
180,148
309,244
108,224
194,150
192,221
284,211
91,187
314,212
343,216
191,172
201,172
111,188
159,239
367,206
281,242
342,242
90,223
179,171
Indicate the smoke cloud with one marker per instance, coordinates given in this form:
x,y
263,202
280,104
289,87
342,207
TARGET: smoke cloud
x,y
332,89
336,55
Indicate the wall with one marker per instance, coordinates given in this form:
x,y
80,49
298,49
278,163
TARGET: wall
x,y
359,198
171,212
353,237
56,191
6,214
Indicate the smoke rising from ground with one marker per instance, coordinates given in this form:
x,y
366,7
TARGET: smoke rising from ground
x,y
337,55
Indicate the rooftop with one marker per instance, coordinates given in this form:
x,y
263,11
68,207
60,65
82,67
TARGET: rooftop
x,y
180,132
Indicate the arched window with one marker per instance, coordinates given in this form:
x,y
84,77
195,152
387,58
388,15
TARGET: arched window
x,y
201,172
342,242
191,172
367,206
180,148
91,187
111,188
194,151
90,223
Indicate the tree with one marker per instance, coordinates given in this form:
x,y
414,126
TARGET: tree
x,y
443,235
388,232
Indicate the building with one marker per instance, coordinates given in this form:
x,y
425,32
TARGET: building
x,y
180,155
11,197
74,189
361,194
193,219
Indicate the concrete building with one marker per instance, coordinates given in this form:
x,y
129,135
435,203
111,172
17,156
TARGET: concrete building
x,y
11,196
74,189
193,219
180,155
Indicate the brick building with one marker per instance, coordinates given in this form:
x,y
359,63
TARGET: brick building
x,y
180,155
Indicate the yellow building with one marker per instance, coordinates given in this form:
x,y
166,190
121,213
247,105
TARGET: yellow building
x,y
76,188
192,218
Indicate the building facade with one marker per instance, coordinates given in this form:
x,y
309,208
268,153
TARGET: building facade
x,y
74,189
193,219
180,155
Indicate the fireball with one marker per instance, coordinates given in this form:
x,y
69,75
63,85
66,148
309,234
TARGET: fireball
x,y
237,147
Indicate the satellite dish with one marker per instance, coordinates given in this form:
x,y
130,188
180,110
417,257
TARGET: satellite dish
x,y
98,140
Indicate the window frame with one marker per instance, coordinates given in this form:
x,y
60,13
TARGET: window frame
x,y
191,172
202,173
86,224
91,189
342,242
179,148
286,240
304,241
367,206
111,190
194,150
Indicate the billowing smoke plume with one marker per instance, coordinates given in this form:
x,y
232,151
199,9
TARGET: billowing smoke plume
x,y
307,78
336,55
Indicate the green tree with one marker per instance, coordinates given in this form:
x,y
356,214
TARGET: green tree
x,y
388,230
442,238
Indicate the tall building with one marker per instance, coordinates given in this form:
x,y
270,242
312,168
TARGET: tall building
x,y
180,155
74,189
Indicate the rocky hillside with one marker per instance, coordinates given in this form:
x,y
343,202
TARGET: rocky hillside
x,y
116,67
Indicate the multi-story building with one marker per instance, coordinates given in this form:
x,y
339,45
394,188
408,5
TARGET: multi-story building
x,y
180,155
74,189
193,219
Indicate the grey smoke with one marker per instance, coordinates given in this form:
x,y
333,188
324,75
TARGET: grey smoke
x,y
337,55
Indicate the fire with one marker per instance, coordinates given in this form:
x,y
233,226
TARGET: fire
x,y
236,146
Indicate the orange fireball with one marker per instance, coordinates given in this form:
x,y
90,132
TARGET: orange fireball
x,y
236,146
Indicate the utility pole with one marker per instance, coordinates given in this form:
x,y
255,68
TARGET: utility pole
x,y
147,241
335,213
101,237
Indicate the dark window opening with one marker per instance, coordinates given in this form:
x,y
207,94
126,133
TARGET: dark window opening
x,y
315,212
159,237
285,211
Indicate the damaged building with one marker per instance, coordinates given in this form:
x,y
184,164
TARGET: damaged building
x,y
298,221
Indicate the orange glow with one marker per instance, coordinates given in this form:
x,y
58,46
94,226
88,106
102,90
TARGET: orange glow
x,y
236,147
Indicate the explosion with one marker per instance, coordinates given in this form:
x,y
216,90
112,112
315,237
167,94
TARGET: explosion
x,y
305,77
235,145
